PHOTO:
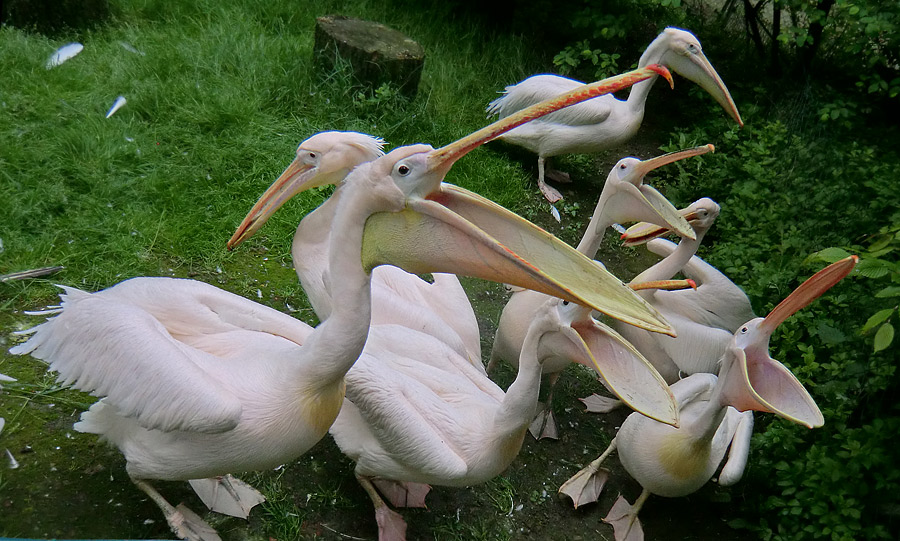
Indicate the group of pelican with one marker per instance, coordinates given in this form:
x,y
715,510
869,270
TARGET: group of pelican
x,y
197,383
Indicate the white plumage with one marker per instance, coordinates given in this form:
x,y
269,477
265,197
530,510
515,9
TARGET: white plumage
x,y
704,318
606,121
673,462
625,198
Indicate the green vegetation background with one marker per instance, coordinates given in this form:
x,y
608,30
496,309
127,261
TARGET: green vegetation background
x,y
224,91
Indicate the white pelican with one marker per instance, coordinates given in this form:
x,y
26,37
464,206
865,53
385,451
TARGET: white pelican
x,y
705,317
417,413
197,382
326,158
625,198
674,462
607,121
721,303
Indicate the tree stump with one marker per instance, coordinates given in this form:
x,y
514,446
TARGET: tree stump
x,y
374,53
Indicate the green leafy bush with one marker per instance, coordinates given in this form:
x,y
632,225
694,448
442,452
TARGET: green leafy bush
x,y
784,196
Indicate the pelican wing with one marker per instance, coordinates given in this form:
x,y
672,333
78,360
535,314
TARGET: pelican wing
x,y
543,87
440,308
698,346
151,347
418,401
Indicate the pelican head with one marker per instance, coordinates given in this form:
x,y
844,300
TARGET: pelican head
x,y
681,52
325,158
701,215
626,198
449,229
753,380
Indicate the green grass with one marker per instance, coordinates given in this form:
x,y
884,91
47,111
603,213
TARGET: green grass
x,y
216,106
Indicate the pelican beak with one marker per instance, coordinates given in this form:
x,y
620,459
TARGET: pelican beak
x,y
702,72
453,230
668,285
808,291
623,370
296,178
753,380
644,232
664,213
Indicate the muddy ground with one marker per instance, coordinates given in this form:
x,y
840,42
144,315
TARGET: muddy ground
x,y
69,485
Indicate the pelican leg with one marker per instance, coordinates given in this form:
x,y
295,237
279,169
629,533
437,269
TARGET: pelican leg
x,y
544,424
492,364
227,495
586,485
184,522
402,493
623,517
550,193
391,526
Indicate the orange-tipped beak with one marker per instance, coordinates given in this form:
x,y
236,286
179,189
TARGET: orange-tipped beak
x,y
290,183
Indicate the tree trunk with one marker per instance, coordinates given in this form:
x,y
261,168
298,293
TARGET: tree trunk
x,y
816,28
374,53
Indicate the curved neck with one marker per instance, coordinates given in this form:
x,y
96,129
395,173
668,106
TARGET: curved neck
x,y
520,401
674,262
639,92
705,425
339,340
593,235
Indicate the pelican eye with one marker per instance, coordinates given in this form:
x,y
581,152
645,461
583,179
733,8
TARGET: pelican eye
x,y
403,170
565,303
623,166
745,330
313,155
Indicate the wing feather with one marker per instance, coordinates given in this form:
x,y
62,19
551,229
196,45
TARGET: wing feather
x,y
109,345
393,410
543,87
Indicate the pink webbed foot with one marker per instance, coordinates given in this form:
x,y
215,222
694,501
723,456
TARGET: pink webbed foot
x,y
188,525
551,194
585,486
227,495
623,517
391,526
544,425
402,493
600,404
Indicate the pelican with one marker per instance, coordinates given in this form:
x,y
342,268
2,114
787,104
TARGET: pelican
x,y
326,158
197,382
604,122
625,198
674,462
698,343
704,318
418,414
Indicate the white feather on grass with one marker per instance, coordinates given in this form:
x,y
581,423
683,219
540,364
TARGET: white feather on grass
x,y
555,213
131,48
118,104
64,53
